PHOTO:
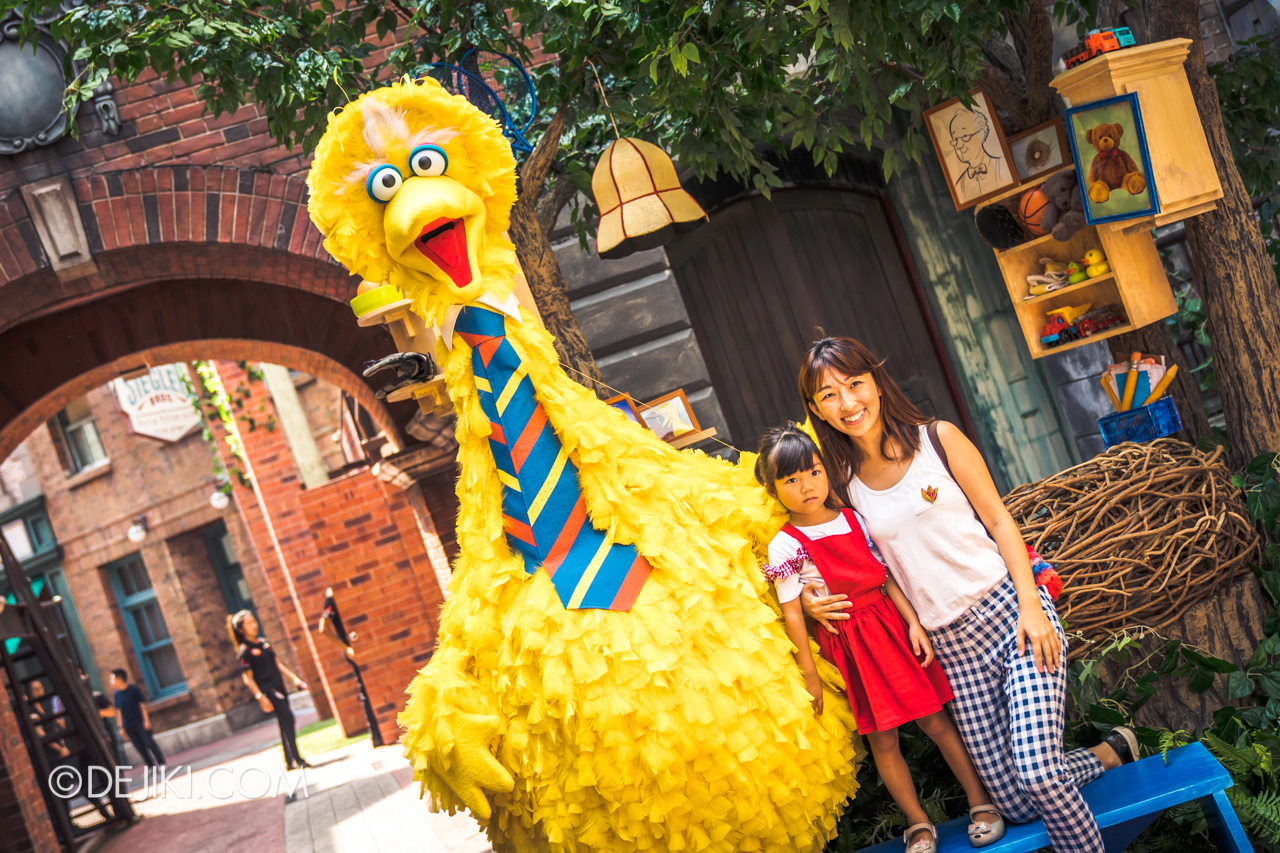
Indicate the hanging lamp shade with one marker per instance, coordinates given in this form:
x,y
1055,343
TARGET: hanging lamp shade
x,y
642,205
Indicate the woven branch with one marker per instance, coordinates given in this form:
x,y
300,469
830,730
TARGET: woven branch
x,y
1139,534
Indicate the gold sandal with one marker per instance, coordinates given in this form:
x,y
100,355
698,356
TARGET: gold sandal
x,y
982,833
928,845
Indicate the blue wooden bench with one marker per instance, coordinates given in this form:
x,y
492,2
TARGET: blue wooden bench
x,y
1125,801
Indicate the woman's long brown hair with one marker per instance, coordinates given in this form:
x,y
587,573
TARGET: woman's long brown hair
x,y
899,417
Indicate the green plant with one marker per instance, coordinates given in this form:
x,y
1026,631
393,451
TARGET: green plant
x,y
213,403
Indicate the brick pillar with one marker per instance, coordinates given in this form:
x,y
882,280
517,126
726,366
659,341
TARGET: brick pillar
x,y
25,826
279,533
382,558
182,627
379,566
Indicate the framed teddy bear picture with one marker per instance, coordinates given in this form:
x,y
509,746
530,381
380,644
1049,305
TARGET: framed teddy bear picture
x,y
1112,162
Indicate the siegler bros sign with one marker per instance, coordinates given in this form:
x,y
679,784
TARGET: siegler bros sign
x,y
159,404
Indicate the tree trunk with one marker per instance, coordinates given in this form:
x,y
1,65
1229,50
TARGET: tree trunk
x,y
1238,282
548,288
1156,339
538,261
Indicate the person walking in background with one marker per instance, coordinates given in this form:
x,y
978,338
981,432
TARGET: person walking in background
x,y
134,721
261,673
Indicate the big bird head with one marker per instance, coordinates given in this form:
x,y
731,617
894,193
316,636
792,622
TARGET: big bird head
x,y
413,187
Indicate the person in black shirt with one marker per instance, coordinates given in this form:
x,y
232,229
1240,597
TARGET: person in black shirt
x,y
261,672
131,713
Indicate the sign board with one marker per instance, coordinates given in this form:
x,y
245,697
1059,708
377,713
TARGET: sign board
x,y
158,404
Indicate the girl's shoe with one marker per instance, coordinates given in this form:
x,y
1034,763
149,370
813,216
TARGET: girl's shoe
x,y
1123,740
927,845
982,833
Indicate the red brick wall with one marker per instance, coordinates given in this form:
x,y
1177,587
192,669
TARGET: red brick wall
x,y
373,555
24,820
359,538
283,542
208,608
170,484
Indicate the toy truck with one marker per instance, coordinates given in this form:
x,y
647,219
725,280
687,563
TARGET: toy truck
x,y
1098,42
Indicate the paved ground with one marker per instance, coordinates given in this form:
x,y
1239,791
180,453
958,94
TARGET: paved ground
x,y
355,799
365,799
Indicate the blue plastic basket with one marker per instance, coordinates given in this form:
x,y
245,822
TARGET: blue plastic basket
x,y
1146,423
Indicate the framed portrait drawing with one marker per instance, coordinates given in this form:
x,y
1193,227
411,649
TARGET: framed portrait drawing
x,y
670,416
628,407
1041,149
971,147
1112,162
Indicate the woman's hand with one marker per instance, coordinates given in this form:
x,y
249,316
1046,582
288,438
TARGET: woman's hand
x,y
920,644
264,703
824,610
302,685
1036,635
814,685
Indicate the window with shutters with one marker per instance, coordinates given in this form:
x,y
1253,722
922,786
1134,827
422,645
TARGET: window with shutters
x,y
161,672
80,434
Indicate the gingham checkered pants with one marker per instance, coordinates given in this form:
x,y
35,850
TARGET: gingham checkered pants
x,y
1011,717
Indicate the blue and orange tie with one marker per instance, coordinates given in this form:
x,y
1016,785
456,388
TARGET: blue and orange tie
x,y
543,513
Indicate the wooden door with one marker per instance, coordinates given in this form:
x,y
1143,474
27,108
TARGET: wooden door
x,y
762,276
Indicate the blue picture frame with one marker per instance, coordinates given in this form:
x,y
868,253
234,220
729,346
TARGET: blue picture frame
x,y
628,407
1126,111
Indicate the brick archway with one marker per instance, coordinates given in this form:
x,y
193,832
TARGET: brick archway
x,y
184,256
171,222
56,357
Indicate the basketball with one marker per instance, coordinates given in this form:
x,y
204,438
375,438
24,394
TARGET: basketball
x,y
1030,207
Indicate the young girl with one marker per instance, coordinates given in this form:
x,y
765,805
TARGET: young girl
x,y
959,556
882,651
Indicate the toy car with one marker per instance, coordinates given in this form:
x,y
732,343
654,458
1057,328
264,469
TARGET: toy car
x,y
1098,42
1100,319
1057,332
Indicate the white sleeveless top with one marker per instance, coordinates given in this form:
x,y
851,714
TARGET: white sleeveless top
x,y
938,550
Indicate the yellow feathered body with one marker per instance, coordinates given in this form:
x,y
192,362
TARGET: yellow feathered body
x,y
682,724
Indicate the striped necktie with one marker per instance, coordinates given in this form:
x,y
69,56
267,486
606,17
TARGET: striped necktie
x,y
543,513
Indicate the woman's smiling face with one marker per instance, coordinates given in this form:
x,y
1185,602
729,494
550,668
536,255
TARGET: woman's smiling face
x,y
850,404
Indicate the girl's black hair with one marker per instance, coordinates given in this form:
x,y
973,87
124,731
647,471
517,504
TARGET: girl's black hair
x,y
785,450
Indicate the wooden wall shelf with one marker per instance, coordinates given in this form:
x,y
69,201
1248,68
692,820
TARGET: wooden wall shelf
x,y
1070,288
1137,282
1182,167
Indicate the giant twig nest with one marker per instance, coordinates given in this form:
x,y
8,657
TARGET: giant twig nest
x,y
1138,534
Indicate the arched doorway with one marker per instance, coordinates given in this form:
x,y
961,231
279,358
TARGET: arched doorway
x,y
764,274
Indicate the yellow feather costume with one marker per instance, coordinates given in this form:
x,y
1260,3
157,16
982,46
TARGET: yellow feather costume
x,y
682,724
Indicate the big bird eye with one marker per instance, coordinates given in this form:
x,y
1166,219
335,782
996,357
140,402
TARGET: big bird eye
x,y
428,161
383,183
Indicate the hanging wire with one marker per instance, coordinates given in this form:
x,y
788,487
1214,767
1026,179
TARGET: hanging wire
x,y
607,109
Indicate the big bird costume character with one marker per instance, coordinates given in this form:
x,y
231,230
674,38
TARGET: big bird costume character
x,y
610,673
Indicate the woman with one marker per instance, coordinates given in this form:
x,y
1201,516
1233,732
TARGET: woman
x,y
261,672
995,633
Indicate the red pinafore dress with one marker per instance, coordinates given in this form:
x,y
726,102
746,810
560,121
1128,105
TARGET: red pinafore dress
x,y
885,682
